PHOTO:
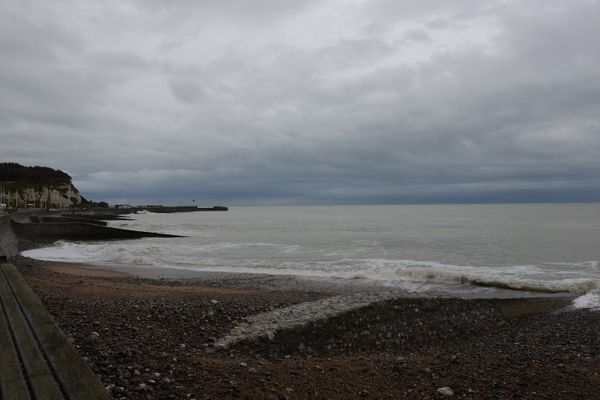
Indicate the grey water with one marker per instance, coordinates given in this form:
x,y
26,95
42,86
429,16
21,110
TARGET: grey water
x,y
546,247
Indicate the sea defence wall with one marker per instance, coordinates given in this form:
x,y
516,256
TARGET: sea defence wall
x,y
76,231
36,227
8,239
55,219
94,216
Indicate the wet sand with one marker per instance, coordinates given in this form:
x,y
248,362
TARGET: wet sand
x,y
153,338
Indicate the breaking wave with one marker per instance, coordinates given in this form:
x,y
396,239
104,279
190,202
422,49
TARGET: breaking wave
x,y
209,257
575,285
590,300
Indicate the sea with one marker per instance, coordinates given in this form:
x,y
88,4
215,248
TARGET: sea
x,y
462,248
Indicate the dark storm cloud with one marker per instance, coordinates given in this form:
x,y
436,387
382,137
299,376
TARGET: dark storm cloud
x,y
292,102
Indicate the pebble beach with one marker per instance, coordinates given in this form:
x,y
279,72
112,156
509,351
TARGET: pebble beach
x,y
162,339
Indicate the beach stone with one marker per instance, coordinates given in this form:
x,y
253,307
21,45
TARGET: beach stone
x,y
446,391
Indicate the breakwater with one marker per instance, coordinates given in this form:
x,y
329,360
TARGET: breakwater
x,y
55,219
179,209
76,231
93,216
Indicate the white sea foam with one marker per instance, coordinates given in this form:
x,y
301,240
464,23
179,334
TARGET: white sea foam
x,y
590,300
145,212
518,277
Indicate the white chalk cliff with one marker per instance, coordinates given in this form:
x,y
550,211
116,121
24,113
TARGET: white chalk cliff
x,y
40,196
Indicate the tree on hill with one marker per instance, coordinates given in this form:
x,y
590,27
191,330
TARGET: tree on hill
x,y
14,172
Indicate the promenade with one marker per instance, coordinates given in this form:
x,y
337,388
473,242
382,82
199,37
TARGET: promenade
x,y
38,362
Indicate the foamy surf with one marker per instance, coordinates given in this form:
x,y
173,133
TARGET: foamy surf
x,y
149,252
590,300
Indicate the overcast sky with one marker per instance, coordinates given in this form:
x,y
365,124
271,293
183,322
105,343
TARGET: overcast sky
x,y
306,101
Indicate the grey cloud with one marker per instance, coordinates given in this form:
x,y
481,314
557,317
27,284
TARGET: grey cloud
x,y
352,116
395,11
257,9
417,35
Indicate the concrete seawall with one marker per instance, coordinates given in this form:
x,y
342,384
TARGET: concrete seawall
x,y
24,229
76,231
8,239
55,219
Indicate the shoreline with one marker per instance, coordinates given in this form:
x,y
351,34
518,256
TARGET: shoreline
x,y
276,283
305,282
155,339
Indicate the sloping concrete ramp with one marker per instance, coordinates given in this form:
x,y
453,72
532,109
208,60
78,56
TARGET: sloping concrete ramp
x,y
37,362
